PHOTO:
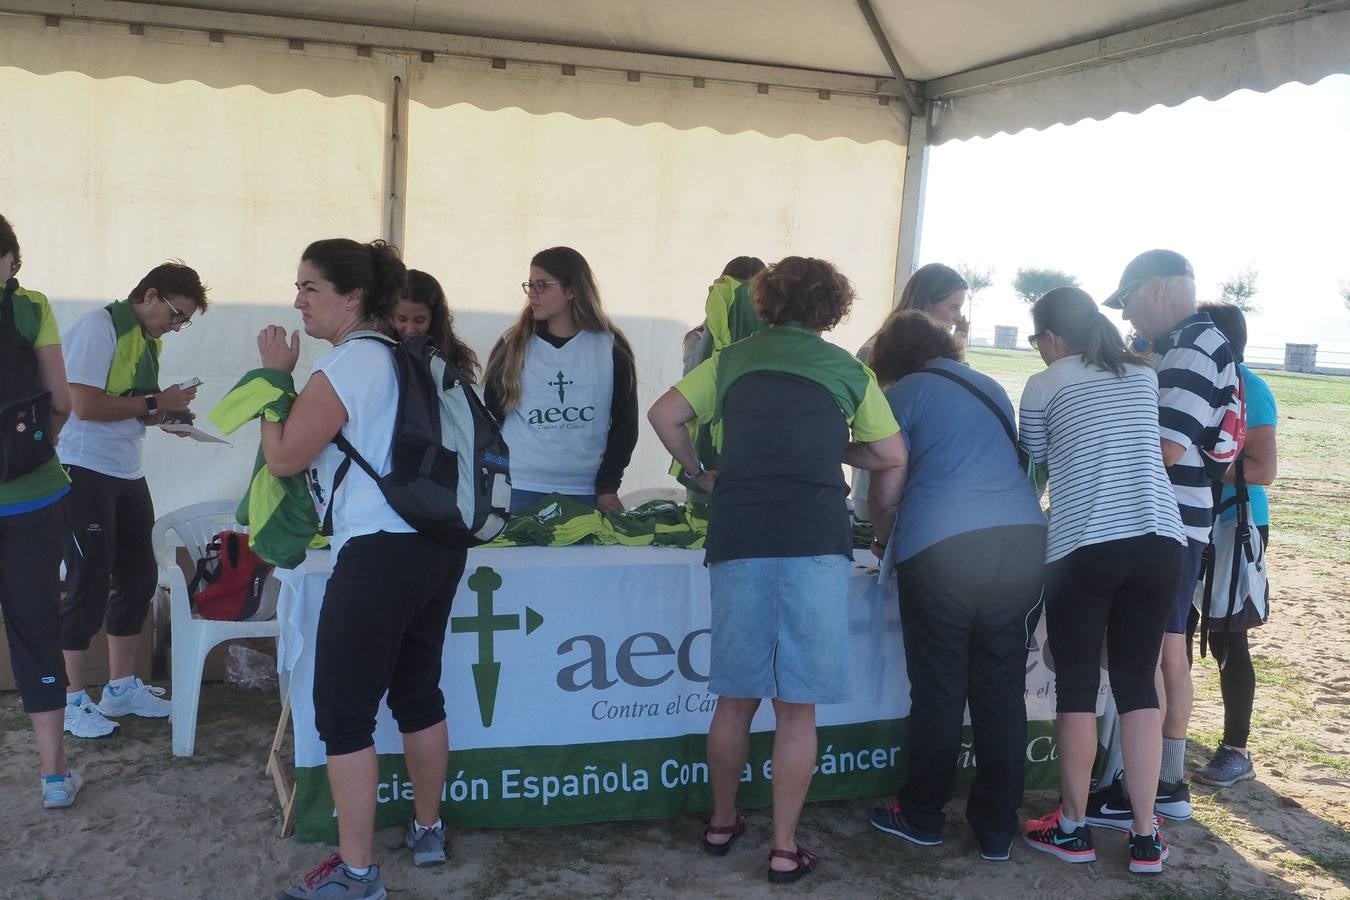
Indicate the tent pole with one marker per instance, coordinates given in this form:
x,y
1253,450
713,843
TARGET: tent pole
x,y
911,203
395,206
912,98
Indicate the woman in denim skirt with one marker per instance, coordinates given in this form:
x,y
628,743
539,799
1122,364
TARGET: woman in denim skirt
x,y
792,408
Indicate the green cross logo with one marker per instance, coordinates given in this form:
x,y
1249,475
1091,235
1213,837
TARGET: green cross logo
x,y
561,384
487,671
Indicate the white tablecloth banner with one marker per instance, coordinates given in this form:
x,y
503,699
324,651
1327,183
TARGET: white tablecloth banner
x,y
576,685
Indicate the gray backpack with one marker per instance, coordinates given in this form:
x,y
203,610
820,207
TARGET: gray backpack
x,y
450,476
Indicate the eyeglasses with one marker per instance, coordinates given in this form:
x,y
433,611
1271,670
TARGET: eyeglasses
x,y
1035,339
1129,291
176,317
536,287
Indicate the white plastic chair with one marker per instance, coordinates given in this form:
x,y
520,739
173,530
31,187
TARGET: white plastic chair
x,y
194,637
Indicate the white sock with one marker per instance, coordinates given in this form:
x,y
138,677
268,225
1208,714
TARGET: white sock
x,y
76,699
359,873
423,828
1068,825
122,684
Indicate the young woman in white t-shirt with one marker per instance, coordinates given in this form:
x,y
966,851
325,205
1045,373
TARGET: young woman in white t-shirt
x,y
1113,557
382,625
563,384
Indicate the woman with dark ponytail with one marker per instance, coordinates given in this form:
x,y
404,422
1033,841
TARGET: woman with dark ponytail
x,y
385,610
1113,555
423,310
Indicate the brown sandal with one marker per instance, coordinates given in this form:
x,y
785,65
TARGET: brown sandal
x,y
806,864
735,830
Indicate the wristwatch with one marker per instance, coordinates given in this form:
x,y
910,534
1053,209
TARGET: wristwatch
x,y
151,405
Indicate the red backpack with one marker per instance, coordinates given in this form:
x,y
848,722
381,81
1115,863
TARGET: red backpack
x,y
229,582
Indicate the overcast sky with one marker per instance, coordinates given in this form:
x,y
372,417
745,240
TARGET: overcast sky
x,y
1252,180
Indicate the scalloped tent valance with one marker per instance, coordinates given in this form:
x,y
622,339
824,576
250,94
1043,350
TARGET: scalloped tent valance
x,y
982,66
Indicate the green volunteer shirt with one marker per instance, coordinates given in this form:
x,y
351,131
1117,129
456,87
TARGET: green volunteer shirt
x,y
35,323
788,402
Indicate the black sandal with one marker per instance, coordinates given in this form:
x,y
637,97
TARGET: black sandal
x,y
806,864
735,830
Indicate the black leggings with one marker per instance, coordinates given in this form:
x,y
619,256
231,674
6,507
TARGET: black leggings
x,y
111,572
1118,591
382,628
30,584
1237,676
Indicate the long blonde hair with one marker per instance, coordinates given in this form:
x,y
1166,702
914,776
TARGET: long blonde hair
x,y
508,357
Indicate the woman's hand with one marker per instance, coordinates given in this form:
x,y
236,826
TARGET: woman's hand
x,y
609,503
274,350
707,480
878,549
961,331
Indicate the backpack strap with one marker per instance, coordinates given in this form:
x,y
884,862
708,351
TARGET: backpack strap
x,y
346,446
7,304
1241,541
983,398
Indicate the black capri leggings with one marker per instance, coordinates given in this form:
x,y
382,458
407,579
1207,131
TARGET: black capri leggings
x,y
1120,591
111,572
382,628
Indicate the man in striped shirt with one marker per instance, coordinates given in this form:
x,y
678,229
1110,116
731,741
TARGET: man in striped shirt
x,y
1200,423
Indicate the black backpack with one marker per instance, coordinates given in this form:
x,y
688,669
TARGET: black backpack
x,y
450,475
25,405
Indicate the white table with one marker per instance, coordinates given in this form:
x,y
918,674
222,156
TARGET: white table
x,y
576,690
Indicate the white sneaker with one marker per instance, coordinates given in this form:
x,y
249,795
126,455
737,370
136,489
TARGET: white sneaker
x,y
59,791
85,720
141,699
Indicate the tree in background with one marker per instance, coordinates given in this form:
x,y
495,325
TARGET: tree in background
x,y
977,279
1240,289
1345,292
1031,283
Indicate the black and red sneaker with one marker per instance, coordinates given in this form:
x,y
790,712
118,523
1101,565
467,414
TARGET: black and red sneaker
x,y
1048,835
1147,851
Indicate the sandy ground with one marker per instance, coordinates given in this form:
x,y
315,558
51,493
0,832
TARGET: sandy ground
x,y
150,825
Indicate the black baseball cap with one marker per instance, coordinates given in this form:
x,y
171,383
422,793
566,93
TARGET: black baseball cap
x,y
1149,264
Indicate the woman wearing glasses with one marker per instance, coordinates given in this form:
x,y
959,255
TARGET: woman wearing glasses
x,y
112,365
563,382
1113,559
423,310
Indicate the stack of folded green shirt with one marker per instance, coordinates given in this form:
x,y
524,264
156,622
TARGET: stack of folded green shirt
x,y
557,521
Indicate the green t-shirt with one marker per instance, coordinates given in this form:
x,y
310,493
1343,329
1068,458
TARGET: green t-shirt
x,y
35,323
792,350
788,402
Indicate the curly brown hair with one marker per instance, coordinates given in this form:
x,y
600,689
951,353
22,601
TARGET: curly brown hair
x,y
909,341
809,292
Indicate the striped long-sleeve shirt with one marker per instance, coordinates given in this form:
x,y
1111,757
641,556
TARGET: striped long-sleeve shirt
x,y
1098,435
1200,408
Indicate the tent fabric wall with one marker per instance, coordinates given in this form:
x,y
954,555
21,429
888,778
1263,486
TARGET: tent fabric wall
x,y
657,209
122,151
118,156
1305,49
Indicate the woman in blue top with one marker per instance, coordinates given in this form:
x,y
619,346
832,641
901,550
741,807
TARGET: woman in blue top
x,y
969,540
1237,678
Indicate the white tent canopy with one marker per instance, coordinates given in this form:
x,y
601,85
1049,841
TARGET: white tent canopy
x,y
974,60
660,138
